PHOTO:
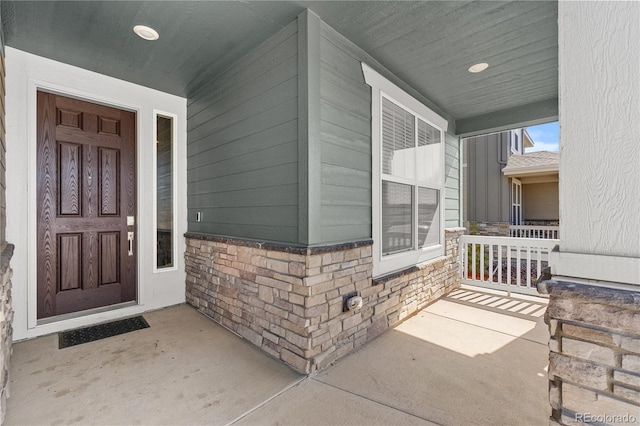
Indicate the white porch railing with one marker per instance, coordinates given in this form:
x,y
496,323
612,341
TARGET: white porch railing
x,y
504,263
527,231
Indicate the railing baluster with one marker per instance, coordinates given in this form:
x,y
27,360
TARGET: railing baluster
x,y
527,231
499,264
509,265
490,262
481,262
528,267
519,266
473,261
539,265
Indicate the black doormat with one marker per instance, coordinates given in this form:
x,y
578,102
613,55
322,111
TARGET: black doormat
x,y
102,331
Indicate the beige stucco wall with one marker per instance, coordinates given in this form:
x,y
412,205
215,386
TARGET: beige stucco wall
x,y
541,201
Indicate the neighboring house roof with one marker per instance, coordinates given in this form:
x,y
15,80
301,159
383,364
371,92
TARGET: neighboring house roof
x,y
532,163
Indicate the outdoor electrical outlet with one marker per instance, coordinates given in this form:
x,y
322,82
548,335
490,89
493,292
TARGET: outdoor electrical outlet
x,y
345,300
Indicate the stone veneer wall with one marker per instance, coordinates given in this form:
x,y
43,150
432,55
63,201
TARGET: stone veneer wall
x,y
594,361
6,331
492,229
289,300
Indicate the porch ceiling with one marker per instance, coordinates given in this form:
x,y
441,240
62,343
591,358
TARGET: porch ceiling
x,y
428,44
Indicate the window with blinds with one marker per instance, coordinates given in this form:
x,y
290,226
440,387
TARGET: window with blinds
x,y
411,174
407,186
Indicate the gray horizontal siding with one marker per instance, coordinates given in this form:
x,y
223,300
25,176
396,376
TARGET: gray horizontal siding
x,y
242,153
263,179
345,131
346,142
452,181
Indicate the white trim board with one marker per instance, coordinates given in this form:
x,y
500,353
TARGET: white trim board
x,y
595,267
26,73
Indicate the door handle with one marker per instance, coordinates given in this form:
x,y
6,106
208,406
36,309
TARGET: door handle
x,y
130,240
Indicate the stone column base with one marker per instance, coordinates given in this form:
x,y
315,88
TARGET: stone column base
x,y
6,330
594,360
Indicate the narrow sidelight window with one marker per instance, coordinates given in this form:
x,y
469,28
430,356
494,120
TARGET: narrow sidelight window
x,y
164,192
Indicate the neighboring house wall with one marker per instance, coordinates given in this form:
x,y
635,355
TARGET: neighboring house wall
x,y
285,292
541,201
242,146
488,189
594,364
6,252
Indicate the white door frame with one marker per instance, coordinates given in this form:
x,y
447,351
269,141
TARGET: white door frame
x,y
516,201
28,73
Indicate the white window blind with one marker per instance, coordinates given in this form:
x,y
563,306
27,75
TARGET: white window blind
x,y
411,166
398,141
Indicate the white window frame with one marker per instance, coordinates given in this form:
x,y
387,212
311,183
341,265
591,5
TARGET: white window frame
x,y
382,87
516,142
174,184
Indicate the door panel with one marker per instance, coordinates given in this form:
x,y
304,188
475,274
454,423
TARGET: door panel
x,y
69,166
69,251
108,259
86,189
109,162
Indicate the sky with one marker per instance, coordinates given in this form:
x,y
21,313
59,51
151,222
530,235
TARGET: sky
x,y
545,137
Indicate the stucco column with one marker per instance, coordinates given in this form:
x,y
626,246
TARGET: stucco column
x,y
594,305
599,87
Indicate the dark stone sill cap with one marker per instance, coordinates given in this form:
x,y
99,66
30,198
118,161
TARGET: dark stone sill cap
x,y
590,293
303,250
7,254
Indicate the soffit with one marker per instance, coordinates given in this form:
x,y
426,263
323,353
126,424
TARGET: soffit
x,y
430,45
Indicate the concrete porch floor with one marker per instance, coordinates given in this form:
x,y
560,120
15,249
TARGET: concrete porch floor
x,y
470,358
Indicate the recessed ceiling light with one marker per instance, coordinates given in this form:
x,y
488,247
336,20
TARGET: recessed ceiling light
x,y
145,32
478,67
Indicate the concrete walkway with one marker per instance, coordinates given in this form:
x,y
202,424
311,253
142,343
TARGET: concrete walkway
x,y
469,358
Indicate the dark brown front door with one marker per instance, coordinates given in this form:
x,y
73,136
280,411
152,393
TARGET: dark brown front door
x,y
86,190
